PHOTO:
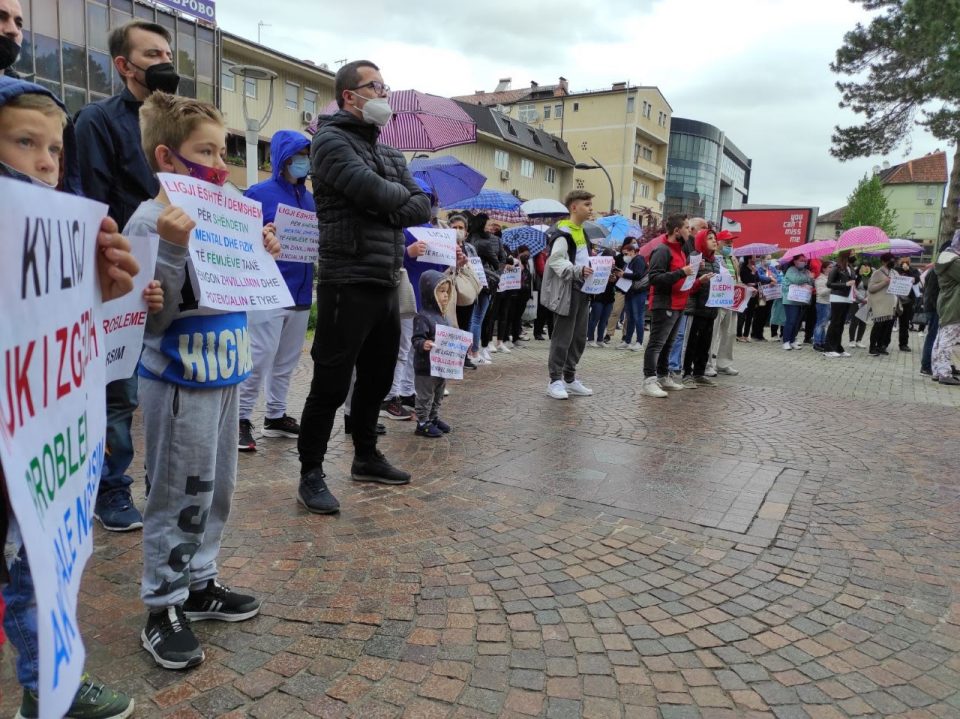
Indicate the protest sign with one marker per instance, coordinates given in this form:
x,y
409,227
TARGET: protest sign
x,y
800,293
597,282
449,350
900,285
771,292
695,260
125,317
741,297
916,291
624,284
477,264
721,292
441,245
230,267
53,408
509,280
298,232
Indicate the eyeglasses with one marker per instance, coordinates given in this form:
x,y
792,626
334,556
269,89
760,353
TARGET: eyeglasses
x,y
378,87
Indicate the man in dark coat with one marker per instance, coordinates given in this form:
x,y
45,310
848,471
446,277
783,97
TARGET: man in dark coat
x,y
11,35
365,197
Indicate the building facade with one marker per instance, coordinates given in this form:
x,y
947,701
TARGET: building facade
x,y
706,172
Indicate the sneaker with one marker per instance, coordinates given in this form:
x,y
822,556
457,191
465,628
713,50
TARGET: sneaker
x,y
170,641
831,355
927,371
408,400
557,390
348,426
376,468
874,353
246,443
285,426
797,346
485,356
906,349
949,380
509,345
314,495
689,382
117,513
729,371
446,392
216,601
651,388
787,346
504,348
704,382
490,349
636,347
669,383
710,372
845,354
577,388
441,425
819,348
393,409
623,346
883,352
427,429
92,701
469,363
599,345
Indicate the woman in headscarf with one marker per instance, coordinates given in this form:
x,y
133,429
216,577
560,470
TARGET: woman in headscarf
x,y
883,306
946,350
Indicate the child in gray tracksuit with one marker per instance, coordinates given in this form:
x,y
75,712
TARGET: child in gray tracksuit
x,y
435,291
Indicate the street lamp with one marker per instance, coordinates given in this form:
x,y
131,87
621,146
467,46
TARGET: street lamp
x,y
598,166
253,126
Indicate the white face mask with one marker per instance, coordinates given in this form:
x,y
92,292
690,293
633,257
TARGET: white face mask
x,y
376,111
461,235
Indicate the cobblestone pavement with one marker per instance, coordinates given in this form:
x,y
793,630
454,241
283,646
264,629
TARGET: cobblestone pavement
x,y
785,545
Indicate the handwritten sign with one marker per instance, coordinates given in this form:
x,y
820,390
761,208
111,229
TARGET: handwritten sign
x,y
229,265
298,232
449,350
695,260
741,297
771,292
477,264
800,293
509,280
52,409
900,285
624,284
125,317
596,283
721,292
441,245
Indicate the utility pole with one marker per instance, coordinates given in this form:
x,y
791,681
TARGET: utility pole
x,y
260,25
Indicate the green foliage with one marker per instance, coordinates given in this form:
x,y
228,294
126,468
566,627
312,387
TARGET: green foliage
x,y
867,205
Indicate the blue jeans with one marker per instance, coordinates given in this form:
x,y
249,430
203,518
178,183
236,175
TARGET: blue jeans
x,y
599,316
476,321
20,621
636,307
933,326
676,352
121,404
794,315
823,319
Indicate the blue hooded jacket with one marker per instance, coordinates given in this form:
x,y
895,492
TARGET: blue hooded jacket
x,y
275,191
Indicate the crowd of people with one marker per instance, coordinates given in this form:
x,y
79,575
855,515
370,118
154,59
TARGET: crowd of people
x,y
378,308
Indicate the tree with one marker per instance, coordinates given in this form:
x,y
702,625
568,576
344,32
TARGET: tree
x,y
905,67
867,205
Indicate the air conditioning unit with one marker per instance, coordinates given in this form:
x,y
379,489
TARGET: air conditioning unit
x,y
929,201
504,175
306,117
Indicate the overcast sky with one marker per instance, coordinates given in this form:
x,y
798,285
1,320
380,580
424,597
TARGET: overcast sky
x,y
757,69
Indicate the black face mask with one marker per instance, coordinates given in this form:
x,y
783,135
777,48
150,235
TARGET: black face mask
x,y
9,51
162,76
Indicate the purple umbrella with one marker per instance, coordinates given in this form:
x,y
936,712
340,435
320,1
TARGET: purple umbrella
x,y
451,179
755,249
900,248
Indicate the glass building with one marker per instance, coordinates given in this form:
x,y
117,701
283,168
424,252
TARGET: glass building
x,y
706,172
65,48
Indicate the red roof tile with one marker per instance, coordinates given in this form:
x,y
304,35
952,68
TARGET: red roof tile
x,y
929,169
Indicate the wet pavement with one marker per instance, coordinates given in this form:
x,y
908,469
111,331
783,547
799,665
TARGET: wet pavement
x,y
784,545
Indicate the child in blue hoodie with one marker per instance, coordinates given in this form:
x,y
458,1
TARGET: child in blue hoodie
x,y
435,291
277,336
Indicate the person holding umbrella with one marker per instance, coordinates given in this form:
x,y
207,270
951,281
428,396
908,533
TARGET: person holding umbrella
x,y
842,284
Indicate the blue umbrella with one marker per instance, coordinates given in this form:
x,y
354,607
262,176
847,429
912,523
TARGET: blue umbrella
x,y
488,200
529,236
620,227
451,179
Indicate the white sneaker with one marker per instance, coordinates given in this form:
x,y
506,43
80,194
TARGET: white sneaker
x,y
503,348
710,372
831,355
636,347
670,384
508,344
446,392
787,346
623,346
600,345
577,388
485,356
557,390
651,388
491,349
797,346
846,354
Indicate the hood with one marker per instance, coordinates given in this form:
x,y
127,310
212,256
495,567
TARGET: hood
x,y
815,267
283,145
477,223
700,243
345,119
428,290
70,171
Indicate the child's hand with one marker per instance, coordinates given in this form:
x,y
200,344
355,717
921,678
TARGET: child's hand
x,y
174,225
428,345
270,240
116,267
153,294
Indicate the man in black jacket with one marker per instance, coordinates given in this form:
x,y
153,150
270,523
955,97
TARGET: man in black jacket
x,y
365,196
11,35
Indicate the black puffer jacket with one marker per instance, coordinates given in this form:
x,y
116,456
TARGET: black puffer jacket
x,y
365,196
490,248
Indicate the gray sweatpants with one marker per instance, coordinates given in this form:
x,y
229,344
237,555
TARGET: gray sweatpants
x,y
569,338
429,396
191,459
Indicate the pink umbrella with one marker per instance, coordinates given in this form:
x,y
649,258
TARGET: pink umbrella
x,y
817,248
755,249
865,238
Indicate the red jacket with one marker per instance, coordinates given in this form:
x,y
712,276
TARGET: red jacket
x,y
667,276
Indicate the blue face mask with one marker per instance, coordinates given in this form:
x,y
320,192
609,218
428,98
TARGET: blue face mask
x,y
726,250
299,167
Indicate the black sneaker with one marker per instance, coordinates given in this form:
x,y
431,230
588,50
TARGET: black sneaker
x,y
348,426
408,400
216,601
314,495
441,425
285,426
170,641
469,364
428,429
906,349
926,370
394,409
376,468
92,701
246,442
116,511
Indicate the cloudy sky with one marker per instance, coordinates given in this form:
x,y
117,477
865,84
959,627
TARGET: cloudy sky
x,y
757,69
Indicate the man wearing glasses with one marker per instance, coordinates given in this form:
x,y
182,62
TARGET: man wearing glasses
x,y
365,196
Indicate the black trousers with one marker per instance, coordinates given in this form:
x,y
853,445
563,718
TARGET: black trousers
x,y
745,318
903,324
880,335
838,316
357,326
760,318
490,319
505,315
699,337
464,315
809,322
544,319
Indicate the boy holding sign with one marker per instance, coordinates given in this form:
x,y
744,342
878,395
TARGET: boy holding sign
x,y
193,361
435,291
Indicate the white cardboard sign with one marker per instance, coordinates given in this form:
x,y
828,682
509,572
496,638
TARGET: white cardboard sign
x,y
126,317
449,351
477,264
298,232
596,283
900,285
441,245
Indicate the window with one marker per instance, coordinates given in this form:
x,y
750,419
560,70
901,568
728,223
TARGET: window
x,y
918,219
662,119
228,81
291,96
526,168
310,101
636,153
644,191
928,220
576,107
648,154
527,113
501,160
250,87
633,191
550,175
558,111
631,105
546,112
647,107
